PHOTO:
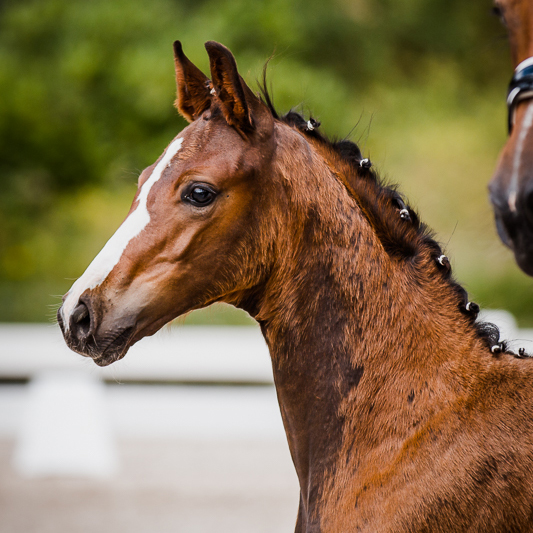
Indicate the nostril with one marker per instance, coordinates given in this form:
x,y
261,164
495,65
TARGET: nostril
x,y
80,320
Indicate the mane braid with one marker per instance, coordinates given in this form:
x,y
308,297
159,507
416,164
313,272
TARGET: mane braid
x,y
380,205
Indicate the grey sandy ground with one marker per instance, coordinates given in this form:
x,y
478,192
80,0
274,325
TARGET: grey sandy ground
x,y
191,459
163,486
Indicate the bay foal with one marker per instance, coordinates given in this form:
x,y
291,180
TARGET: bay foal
x,y
402,413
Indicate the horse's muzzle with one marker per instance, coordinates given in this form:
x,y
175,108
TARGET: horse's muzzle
x,y
516,232
83,337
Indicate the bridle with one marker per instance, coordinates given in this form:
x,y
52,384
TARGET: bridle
x,y
520,88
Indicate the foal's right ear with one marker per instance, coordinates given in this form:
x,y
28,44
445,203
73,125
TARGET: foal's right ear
x,y
193,86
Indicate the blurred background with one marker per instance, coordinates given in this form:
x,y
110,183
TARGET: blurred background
x,y
193,441
87,92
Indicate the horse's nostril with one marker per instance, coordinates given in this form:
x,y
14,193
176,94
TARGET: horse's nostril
x,y
80,320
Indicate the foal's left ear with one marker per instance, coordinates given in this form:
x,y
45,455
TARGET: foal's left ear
x,y
193,86
238,103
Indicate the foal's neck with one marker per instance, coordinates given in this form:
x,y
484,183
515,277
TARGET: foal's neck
x,y
353,336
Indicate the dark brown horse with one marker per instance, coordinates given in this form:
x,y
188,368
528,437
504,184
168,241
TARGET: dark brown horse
x,y
511,189
401,412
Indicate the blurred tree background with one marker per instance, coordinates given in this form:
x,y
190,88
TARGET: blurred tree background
x,y
86,103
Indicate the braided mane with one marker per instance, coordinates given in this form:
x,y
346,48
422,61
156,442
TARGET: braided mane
x,y
409,240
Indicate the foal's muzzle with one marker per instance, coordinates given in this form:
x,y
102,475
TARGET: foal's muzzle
x,y
83,335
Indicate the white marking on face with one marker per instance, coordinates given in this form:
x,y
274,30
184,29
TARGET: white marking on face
x,y
517,159
111,253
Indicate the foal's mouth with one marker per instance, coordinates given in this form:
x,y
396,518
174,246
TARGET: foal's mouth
x,y
113,347
103,350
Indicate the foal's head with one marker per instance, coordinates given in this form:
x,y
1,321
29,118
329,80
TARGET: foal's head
x,y
511,189
240,208
196,231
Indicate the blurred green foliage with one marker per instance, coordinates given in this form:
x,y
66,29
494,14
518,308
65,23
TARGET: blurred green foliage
x,y
87,91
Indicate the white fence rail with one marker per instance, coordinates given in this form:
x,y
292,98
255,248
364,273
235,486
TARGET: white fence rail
x,y
67,428
175,354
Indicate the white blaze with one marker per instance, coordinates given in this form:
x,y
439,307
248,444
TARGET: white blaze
x,y
111,253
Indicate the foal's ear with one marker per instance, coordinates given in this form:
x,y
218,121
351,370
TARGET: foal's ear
x,y
237,101
193,86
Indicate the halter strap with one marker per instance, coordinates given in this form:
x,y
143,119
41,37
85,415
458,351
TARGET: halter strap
x,y
520,88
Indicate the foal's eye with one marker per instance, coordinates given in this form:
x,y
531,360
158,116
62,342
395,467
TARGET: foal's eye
x,y
199,195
